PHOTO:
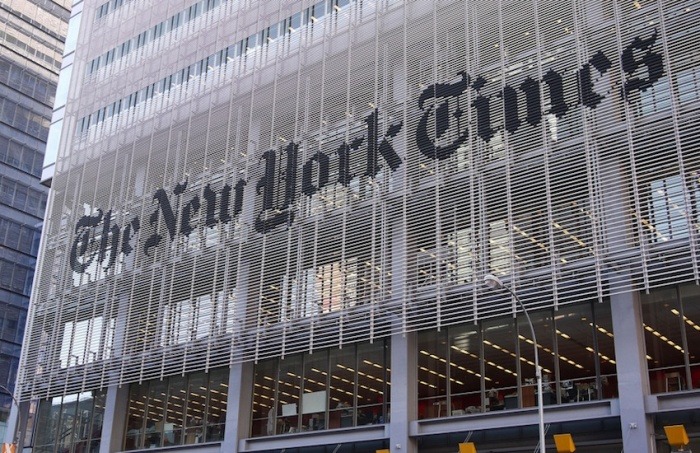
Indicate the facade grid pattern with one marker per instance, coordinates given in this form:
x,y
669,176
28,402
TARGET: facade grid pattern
x,y
357,178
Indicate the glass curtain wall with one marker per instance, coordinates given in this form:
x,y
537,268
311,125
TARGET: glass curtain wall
x,y
328,389
72,423
180,410
671,319
490,365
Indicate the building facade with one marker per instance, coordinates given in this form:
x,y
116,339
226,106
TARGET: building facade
x,y
32,36
270,222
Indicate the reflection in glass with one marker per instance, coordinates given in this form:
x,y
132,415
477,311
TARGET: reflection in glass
x,y
542,322
324,390
500,363
672,332
71,423
315,397
172,428
465,373
342,388
491,363
194,410
372,383
432,374
216,410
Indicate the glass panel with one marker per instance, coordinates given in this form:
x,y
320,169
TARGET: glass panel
x,y
576,347
432,374
295,21
465,373
97,419
216,411
47,422
342,389
315,397
543,325
606,348
172,428
264,409
138,395
319,10
66,424
372,369
272,32
663,339
289,385
155,412
83,421
500,361
196,405
690,297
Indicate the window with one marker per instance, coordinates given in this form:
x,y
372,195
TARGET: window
x,y
655,98
432,374
257,39
688,81
70,423
325,289
665,211
190,320
318,10
178,410
672,331
324,390
295,22
490,366
87,341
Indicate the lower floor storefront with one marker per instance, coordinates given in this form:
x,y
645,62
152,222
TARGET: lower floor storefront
x,y
615,372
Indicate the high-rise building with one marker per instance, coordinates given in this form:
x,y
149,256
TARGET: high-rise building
x,y
270,222
32,35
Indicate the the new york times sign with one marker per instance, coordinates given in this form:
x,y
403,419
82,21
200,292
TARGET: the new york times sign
x,y
98,240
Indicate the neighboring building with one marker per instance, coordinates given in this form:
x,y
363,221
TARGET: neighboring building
x,y
32,35
269,224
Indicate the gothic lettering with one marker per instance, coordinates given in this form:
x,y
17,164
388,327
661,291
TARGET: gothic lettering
x,y
190,208
482,104
271,216
81,244
630,64
129,231
554,81
587,95
210,199
307,185
375,147
441,130
344,174
110,239
427,142
166,209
